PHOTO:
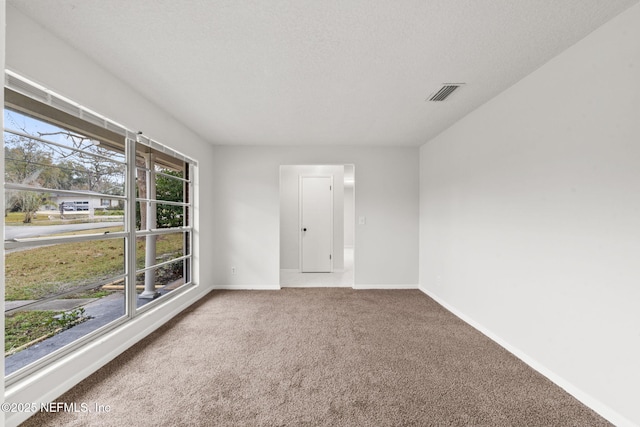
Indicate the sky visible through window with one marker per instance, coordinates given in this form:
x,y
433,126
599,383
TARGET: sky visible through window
x,y
71,161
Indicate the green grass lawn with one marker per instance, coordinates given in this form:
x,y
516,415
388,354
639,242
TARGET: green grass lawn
x,y
43,271
26,326
17,218
30,327
40,272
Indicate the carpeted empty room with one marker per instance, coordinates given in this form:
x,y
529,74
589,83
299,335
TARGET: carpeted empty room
x,y
319,356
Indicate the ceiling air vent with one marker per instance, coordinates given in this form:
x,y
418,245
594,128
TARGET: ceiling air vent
x,y
444,92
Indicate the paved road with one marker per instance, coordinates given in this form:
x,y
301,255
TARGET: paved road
x,y
26,231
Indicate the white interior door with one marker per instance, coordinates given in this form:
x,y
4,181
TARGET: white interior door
x,y
316,220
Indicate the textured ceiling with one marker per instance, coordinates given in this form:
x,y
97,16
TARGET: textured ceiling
x,y
347,72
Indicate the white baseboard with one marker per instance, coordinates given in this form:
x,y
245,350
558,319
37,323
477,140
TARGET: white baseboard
x,y
315,285
604,410
385,286
247,287
55,379
277,287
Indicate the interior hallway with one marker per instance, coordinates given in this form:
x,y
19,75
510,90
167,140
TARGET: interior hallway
x,y
339,278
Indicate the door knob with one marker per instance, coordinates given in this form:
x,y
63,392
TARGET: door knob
x,y
304,229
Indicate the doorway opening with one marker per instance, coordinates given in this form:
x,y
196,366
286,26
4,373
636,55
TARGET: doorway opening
x,y
317,225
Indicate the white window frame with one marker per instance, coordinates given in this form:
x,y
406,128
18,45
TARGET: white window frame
x,y
132,140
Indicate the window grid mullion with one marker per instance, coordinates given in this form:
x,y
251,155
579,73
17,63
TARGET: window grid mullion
x,y
161,231
161,202
79,193
42,241
160,264
177,178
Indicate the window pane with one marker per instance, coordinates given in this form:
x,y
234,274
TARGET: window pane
x,y
38,214
167,247
35,164
58,163
169,188
166,279
58,293
82,285
34,273
167,216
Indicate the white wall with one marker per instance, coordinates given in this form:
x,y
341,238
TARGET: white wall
x,y
41,57
349,215
530,218
246,194
290,212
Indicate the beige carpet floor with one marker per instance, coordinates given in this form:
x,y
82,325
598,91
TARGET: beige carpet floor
x,y
319,357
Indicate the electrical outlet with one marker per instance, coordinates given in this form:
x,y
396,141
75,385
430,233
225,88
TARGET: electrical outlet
x,y
233,270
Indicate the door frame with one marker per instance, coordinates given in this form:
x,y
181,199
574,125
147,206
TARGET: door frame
x,y
331,219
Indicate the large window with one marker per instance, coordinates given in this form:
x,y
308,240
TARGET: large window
x,y
163,224
98,225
